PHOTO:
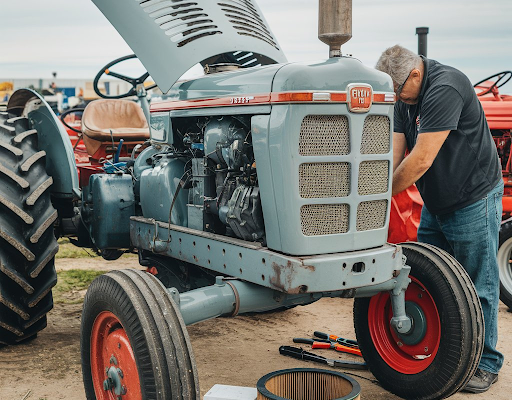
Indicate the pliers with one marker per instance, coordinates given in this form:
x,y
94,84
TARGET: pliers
x,y
304,355
327,344
334,338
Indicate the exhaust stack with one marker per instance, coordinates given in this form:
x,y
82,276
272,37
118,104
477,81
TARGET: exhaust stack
x,y
422,33
335,24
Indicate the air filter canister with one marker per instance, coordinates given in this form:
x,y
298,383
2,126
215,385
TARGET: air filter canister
x,y
307,384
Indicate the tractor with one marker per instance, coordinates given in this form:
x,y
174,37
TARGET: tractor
x,y
498,112
262,185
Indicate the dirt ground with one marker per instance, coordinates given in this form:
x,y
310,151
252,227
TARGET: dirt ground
x,y
231,351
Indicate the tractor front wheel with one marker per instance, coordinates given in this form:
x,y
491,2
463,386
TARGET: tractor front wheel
x,y
442,351
134,343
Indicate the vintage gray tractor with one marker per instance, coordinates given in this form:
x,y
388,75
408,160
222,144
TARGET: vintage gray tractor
x,y
262,185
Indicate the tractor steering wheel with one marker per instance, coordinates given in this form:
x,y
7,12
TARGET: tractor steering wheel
x,y
71,111
133,81
503,77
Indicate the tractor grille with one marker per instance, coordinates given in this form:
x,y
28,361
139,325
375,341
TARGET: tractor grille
x,y
329,136
320,180
182,20
376,135
246,20
324,135
324,219
373,177
371,215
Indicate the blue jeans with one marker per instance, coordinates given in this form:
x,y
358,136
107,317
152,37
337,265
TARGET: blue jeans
x,y
471,235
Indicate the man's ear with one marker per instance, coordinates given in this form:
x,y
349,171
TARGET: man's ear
x,y
416,75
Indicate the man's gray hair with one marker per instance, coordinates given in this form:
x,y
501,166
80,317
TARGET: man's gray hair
x,y
398,62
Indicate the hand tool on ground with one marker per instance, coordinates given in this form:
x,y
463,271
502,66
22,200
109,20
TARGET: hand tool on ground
x,y
326,344
301,354
334,338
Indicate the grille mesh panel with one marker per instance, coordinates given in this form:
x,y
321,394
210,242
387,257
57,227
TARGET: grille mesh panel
x,y
182,20
373,177
324,219
371,215
376,135
319,180
324,135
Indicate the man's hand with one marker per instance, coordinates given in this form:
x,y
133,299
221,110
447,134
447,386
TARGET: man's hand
x,y
399,147
418,161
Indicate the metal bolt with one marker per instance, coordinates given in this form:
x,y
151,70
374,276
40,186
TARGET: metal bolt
x,y
426,349
113,360
420,295
119,345
400,344
120,373
123,390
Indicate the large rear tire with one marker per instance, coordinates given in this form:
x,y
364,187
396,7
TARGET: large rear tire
x,y
134,343
443,351
27,242
505,266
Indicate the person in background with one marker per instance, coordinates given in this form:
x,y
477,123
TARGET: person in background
x,y
454,163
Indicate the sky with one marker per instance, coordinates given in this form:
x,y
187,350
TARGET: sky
x,y
74,39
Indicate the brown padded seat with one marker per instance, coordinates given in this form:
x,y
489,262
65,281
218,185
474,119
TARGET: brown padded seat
x,y
104,120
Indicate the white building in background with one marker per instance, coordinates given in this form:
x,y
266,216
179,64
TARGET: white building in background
x,y
62,94
114,87
71,87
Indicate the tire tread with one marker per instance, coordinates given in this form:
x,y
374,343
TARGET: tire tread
x,y
27,242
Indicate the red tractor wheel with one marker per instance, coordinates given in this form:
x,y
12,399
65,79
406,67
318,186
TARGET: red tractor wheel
x,y
112,360
505,266
134,343
442,351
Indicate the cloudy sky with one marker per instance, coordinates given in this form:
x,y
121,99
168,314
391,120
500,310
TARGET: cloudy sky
x,y
73,38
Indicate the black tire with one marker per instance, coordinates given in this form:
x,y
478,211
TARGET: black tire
x,y
459,330
155,332
504,257
27,242
111,254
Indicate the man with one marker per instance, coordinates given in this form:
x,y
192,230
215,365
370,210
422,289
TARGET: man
x,y
453,161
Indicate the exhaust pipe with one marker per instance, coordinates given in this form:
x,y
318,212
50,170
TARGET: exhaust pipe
x,y
335,24
422,33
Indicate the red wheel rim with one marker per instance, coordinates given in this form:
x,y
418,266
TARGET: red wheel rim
x,y
404,358
110,348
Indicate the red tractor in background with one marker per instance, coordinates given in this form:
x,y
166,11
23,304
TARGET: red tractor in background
x,y
406,206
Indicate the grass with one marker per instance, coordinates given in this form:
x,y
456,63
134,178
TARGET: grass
x,y
72,285
68,250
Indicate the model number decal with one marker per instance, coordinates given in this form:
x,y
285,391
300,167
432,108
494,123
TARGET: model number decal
x,y
241,100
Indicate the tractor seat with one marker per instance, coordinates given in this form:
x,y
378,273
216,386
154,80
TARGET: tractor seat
x,y
112,120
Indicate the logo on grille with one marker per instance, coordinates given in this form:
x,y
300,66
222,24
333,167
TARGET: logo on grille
x,y
360,97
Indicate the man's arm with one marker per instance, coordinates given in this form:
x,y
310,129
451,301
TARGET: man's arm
x,y
419,160
399,146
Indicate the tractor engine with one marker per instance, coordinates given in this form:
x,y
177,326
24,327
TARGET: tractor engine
x,y
213,159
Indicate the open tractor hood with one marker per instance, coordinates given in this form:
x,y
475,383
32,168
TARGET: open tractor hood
x,y
171,36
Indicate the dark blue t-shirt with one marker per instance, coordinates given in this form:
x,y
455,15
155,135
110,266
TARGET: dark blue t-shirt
x,y
467,166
